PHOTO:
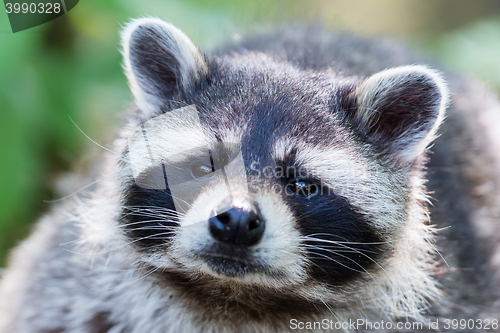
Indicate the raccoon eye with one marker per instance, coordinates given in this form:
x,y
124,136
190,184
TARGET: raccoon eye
x,y
198,171
302,187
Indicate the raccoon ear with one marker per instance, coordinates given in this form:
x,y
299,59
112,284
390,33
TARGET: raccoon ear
x,y
159,61
400,110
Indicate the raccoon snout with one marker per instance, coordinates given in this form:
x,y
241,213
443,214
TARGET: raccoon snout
x,y
237,225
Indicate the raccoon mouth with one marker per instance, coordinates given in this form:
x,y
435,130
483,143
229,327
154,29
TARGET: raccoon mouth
x,y
231,267
231,261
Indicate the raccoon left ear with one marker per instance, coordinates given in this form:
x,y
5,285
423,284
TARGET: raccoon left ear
x,y
400,109
159,61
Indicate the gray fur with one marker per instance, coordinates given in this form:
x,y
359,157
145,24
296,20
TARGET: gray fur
x,y
78,272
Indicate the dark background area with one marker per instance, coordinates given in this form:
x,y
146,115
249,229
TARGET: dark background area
x,y
71,67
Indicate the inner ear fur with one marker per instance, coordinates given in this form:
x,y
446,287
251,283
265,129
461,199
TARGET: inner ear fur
x,y
400,110
159,61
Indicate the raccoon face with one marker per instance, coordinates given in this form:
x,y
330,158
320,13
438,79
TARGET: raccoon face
x,y
270,183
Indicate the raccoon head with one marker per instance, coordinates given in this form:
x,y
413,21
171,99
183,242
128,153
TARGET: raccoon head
x,y
274,190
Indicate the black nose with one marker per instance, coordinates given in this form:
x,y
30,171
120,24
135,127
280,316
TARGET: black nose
x,y
237,225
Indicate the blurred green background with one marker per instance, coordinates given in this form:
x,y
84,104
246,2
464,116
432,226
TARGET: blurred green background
x,y
70,67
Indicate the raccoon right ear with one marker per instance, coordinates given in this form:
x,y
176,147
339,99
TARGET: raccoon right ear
x,y
159,61
400,109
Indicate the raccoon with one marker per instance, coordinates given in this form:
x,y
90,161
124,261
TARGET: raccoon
x,y
276,184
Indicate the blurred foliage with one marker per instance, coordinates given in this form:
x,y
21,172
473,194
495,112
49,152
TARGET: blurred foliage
x,y
70,67
474,49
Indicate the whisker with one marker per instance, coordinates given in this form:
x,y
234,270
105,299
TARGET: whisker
x,y
327,257
335,250
364,254
109,150
123,245
308,237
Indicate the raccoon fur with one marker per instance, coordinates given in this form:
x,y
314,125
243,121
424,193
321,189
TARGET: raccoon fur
x,y
332,214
